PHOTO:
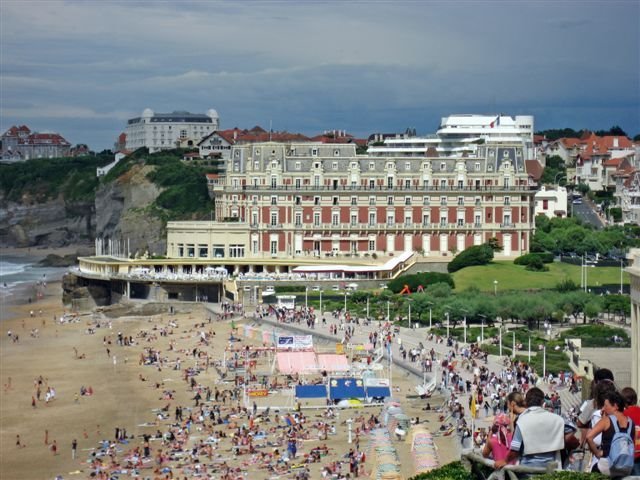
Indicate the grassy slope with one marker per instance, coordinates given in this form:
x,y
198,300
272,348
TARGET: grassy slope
x,y
515,277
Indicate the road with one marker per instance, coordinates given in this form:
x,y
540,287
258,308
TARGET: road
x,y
586,212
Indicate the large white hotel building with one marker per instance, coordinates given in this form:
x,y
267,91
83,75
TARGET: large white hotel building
x,y
436,195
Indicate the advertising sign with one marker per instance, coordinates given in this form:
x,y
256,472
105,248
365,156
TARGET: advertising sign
x,y
295,342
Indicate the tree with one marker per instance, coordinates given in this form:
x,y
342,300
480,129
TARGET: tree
x,y
583,188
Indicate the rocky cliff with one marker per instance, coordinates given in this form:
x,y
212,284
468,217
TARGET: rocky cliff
x,y
53,223
122,208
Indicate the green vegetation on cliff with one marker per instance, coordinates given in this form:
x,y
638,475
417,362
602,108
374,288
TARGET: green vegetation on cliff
x,y
45,178
184,194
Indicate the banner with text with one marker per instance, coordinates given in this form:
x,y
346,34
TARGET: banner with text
x,y
295,342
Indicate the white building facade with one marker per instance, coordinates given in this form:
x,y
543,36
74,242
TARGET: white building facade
x,y
163,131
551,202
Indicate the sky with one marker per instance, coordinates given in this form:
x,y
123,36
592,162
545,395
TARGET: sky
x,y
82,68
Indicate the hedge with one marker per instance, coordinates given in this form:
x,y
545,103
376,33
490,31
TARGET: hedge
x,y
414,281
544,257
457,471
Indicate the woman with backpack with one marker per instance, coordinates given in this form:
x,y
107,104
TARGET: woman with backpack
x,y
615,454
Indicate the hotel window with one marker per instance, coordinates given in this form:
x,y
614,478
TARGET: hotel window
x,y
443,200
507,219
389,200
236,251
407,200
389,182
298,200
460,200
372,218
316,200
477,201
335,201
354,201
407,184
298,183
254,218
218,251
443,184
274,181
477,220
180,250
372,184
390,219
254,200
274,219
460,183
372,166
477,166
274,247
274,200
507,200
372,245
298,165
460,221
236,166
235,183
443,166
353,165
407,166
336,153
354,219
425,200
335,218
254,247
255,182
183,134
256,165
314,152
425,219
298,219
407,220
443,221
372,201
506,182
334,165
316,219
316,180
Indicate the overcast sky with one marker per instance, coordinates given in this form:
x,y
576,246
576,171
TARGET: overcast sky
x,y
83,67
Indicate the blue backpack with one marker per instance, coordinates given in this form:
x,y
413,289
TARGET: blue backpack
x,y
622,449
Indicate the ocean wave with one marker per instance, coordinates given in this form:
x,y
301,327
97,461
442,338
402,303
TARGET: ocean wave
x,y
9,268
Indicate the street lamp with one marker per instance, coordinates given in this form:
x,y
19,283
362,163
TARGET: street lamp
x,y
430,305
367,307
447,314
483,317
345,304
306,298
465,325
495,288
321,302
409,301
559,174
388,317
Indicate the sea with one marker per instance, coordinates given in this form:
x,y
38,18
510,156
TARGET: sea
x,y
22,277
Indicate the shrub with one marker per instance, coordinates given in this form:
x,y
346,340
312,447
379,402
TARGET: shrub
x,y
451,471
544,257
567,285
476,255
414,281
536,265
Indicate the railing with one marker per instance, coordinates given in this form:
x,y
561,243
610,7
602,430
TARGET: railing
x,y
509,471
384,188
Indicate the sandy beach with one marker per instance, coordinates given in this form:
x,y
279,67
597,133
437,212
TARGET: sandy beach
x,y
125,393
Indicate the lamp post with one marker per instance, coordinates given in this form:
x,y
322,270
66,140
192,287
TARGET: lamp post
x,y
621,271
529,349
464,326
320,302
500,338
367,307
345,304
495,288
409,313
349,432
544,362
430,305
447,314
559,174
306,298
388,317
513,353
483,317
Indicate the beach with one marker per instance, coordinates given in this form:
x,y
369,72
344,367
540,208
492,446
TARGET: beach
x,y
127,394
